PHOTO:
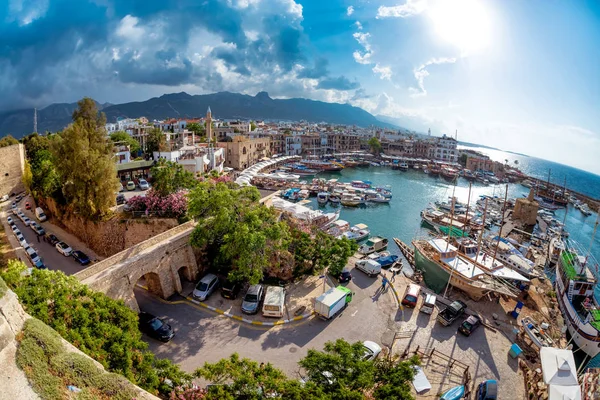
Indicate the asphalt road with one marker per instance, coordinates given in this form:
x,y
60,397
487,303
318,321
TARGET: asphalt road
x,y
50,256
202,336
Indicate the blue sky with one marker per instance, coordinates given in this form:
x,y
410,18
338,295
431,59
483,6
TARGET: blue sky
x,y
518,75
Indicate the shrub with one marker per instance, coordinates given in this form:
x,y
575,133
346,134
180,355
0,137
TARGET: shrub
x,y
3,288
75,369
173,205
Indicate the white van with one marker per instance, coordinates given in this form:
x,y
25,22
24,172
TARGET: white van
x,y
369,267
39,213
428,304
274,302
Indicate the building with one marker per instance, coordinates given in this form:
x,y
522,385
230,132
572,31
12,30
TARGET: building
x,y
311,145
341,142
241,126
526,210
483,163
243,152
444,149
421,148
122,154
293,145
222,132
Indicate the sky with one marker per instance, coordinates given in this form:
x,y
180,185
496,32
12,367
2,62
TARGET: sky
x,y
518,75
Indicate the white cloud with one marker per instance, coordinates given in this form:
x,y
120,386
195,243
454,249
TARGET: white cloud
x,y
358,25
421,73
385,72
363,39
349,11
129,28
25,11
408,9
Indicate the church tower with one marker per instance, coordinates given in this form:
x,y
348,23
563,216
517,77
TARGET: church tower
x,y
209,125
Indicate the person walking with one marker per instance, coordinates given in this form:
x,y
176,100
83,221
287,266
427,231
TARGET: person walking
x,y
384,282
393,276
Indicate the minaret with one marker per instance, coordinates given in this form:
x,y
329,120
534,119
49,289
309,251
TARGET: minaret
x,y
209,125
429,132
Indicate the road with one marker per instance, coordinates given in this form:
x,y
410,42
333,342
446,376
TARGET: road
x,y
202,336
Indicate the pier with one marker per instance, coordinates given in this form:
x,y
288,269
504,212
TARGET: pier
x,y
407,252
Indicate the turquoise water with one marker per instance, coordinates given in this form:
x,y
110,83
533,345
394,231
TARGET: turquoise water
x,y
413,191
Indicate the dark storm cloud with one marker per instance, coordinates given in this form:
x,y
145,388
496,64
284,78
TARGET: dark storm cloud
x,y
339,83
318,71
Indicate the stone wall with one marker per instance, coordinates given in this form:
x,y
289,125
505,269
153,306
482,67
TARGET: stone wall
x,y
13,381
12,162
109,237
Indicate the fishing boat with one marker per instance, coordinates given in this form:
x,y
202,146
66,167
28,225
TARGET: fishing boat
x,y
468,175
303,194
403,166
455,393
575,284
338,228
334,199
537,333
323,165
385,191
442,265
374,244
361,184
379,199
358,232
387,261
556,247
434,171
351,200
449,173
322,197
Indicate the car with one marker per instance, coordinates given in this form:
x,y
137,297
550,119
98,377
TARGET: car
x,y
80,257
252,299
13,205
205,287
372,350
130,185
230,289
155,327
63,248
18,198
51,238
37,228
20,214
143,184
22,240
345,276
15,211
27,205
14,228
10,221
120,198
26,221
469,325
487,390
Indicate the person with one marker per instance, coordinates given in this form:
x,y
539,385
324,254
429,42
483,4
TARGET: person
x,y
38,238
384,282
393,276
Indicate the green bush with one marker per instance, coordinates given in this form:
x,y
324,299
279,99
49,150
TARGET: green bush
x,y
114,386
3,288
75,369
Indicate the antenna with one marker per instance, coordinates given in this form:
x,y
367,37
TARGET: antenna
x,y
35,120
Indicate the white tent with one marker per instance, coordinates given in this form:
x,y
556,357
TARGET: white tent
x,y
560,374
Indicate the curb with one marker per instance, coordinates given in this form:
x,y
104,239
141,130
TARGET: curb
x,y
396,295
249,321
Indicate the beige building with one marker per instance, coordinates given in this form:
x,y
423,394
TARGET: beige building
x,y
244,152
526,210
341,142
12,163
485,164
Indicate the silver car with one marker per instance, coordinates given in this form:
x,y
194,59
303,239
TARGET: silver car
x,y
252,299
205,287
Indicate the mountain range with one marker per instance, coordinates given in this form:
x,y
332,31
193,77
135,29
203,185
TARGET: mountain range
x,y
224,105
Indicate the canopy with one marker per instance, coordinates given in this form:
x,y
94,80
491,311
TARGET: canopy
x,y
558,392
455,231
558,367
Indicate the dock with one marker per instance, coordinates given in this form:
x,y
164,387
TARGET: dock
x,y
407,252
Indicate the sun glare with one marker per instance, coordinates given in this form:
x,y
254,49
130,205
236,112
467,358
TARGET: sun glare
x,y
463,23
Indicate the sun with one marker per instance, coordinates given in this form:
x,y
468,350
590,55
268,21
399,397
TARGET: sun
x,y
465,24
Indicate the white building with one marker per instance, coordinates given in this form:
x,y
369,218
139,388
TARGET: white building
x,y
195,159
293,145
444,149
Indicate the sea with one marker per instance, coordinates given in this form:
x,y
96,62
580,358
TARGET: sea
x,y
414,190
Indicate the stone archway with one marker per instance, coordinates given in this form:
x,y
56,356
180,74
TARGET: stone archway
x,y
154,285
185,274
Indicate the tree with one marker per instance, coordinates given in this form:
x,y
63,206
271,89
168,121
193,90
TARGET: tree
x,y
237,234
395,379
463,159
35,143
170,177
8,140
126,139
375,145
318,251
252,126
82,156
103,328
157,141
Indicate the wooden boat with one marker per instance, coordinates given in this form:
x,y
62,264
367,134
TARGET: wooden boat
x,y
537,334
322,197
454,393
358,232
351,200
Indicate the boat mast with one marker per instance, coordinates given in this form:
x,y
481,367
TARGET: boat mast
x,y
468,204
592,241
451,218
501,222
481,231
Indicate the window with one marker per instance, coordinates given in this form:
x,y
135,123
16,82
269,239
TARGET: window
x,y
244,150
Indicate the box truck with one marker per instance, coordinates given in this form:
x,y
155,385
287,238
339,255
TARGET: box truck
x,y
332,302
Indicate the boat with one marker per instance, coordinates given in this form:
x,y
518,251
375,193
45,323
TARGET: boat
x,y
508,254
385,191
379,199
387,261
556,247
358,232
574,285
334,199
338,228
585,210
403,166
468,175
455,393
303,194
537,333
301,170
323,165
351,200
434,171
376,243
449,173
361,184
441,265
527,183
322,197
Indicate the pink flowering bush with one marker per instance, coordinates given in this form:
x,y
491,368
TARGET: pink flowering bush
x,y
170,206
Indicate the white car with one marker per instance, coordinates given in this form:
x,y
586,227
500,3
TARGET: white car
x,y
144,185
14,228
372,350
15,211
10,221
26,221
22,240
64,249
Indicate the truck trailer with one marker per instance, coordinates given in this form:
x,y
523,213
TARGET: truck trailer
x,y
330,303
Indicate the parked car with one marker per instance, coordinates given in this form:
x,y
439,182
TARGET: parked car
x,y
18,198
80,257
120,198
230,290
10,221
63,249
143,184
345,276
205,287
469,325
130,185
14,228
21,239
487,390
37,228
26,221
372,350
51,238
15,211
155,327
411,295
39,213
252,299
27,206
